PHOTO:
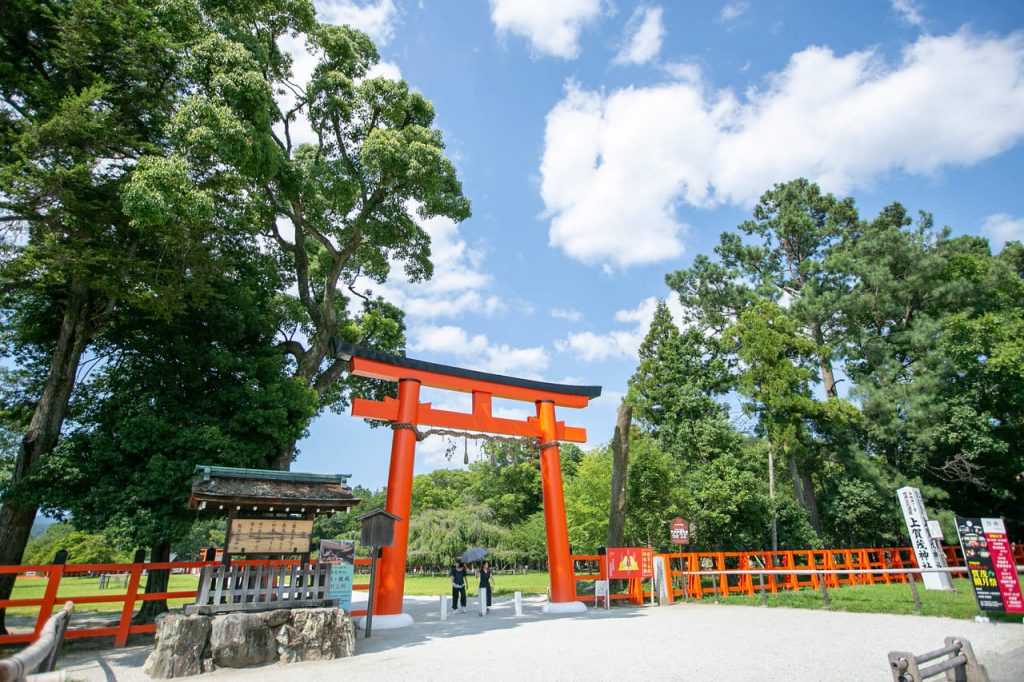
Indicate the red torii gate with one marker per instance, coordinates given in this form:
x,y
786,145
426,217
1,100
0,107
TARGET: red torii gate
x,y
406,413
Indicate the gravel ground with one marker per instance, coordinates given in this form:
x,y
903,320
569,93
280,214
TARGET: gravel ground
x,y
681,641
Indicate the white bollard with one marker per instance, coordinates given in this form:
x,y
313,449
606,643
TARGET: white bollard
x,y
482,598
444,607
519,603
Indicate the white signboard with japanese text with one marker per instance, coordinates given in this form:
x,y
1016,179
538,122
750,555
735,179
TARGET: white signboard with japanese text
x,y
925,550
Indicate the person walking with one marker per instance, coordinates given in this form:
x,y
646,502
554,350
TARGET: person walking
x,y
458,575
485,580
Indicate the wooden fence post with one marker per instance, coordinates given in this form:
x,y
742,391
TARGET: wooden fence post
x,y
129,605
53,576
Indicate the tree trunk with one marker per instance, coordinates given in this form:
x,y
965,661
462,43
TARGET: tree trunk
x,y
620,464
771,497
156,581
827,377
19,511
794,473
812,501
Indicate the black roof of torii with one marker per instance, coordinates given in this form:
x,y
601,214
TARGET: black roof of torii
x,y
345,351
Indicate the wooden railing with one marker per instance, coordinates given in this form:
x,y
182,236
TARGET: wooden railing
x,y
55,573
41,656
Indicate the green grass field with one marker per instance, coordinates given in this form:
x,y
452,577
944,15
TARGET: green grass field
x,y
33,588
894,598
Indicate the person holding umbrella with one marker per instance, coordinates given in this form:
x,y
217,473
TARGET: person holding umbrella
x,y
485,580
458,575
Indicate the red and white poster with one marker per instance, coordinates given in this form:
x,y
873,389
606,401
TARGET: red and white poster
x,y
679,530
990,562
630,562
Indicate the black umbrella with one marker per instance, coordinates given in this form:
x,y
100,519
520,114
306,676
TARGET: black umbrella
x,y
473,554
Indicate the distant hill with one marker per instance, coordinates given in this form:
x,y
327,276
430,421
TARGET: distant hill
x,y
40,525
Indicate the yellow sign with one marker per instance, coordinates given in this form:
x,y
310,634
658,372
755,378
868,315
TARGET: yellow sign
x,y
269,536
629,563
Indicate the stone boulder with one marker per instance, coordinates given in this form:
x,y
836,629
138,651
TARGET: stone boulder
x,y
238,640
316,635
181,647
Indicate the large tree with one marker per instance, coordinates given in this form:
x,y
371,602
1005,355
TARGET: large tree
x,y
341,202
87,88
205,386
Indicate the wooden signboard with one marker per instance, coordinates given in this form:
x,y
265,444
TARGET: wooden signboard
x,y
270,536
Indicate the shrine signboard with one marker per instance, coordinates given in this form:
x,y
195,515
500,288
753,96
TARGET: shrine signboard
x,y
679,531
630,562
916,517
269,536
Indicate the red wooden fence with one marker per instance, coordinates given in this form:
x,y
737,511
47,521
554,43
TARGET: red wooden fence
x,y
54,573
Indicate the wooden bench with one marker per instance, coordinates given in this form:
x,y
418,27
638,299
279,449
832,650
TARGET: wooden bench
x,y
225,589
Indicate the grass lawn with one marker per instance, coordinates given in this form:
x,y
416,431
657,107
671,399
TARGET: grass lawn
x,y
27,587
894,598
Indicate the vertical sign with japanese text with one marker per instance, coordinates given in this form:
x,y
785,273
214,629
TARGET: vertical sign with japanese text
x,y
990,564
921,539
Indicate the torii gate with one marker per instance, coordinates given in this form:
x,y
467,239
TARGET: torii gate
x,y
407,412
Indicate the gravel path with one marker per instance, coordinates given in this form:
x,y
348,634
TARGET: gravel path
x,y
682,641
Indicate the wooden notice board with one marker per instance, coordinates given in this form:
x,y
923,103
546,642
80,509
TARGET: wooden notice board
x,y
270,536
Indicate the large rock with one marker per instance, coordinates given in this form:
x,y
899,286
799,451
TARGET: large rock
x,y
316,635
241,639
181,647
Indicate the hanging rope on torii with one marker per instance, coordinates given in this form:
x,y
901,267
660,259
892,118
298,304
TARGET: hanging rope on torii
x,y
405,414
533,443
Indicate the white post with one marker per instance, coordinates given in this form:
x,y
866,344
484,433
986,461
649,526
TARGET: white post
x,y
482,598
519,603
444,607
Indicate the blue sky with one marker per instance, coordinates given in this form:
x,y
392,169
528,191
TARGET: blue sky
x,y
604,144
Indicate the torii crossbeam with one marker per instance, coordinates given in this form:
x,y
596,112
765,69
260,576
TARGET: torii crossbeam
x,y
407,412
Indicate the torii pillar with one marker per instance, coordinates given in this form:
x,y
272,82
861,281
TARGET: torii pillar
x,y
406,413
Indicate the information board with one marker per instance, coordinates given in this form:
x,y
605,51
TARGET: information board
x,y
630,562
679,530
990,564
341,555
269,536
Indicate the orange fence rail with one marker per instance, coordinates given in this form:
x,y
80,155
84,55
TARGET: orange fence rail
x,y
54,573
682,566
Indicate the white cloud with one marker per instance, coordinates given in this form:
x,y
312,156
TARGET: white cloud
x,y
387,70
458,286
646,32
476,352
1003,227
617,166
375,19
733,11
553,28
620,343
567,314
909,11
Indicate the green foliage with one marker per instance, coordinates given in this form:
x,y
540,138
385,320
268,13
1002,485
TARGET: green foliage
x,y
83,548
437,536
204,387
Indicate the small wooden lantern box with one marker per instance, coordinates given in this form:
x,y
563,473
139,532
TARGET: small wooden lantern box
x,y
378,528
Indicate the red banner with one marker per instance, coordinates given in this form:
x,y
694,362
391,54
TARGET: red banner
x,y
630,562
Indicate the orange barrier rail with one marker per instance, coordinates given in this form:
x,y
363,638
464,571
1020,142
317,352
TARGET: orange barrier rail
x,y
684,566
54,573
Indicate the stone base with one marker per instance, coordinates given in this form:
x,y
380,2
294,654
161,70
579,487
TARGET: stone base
x,y
194,644
386,622
564,607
